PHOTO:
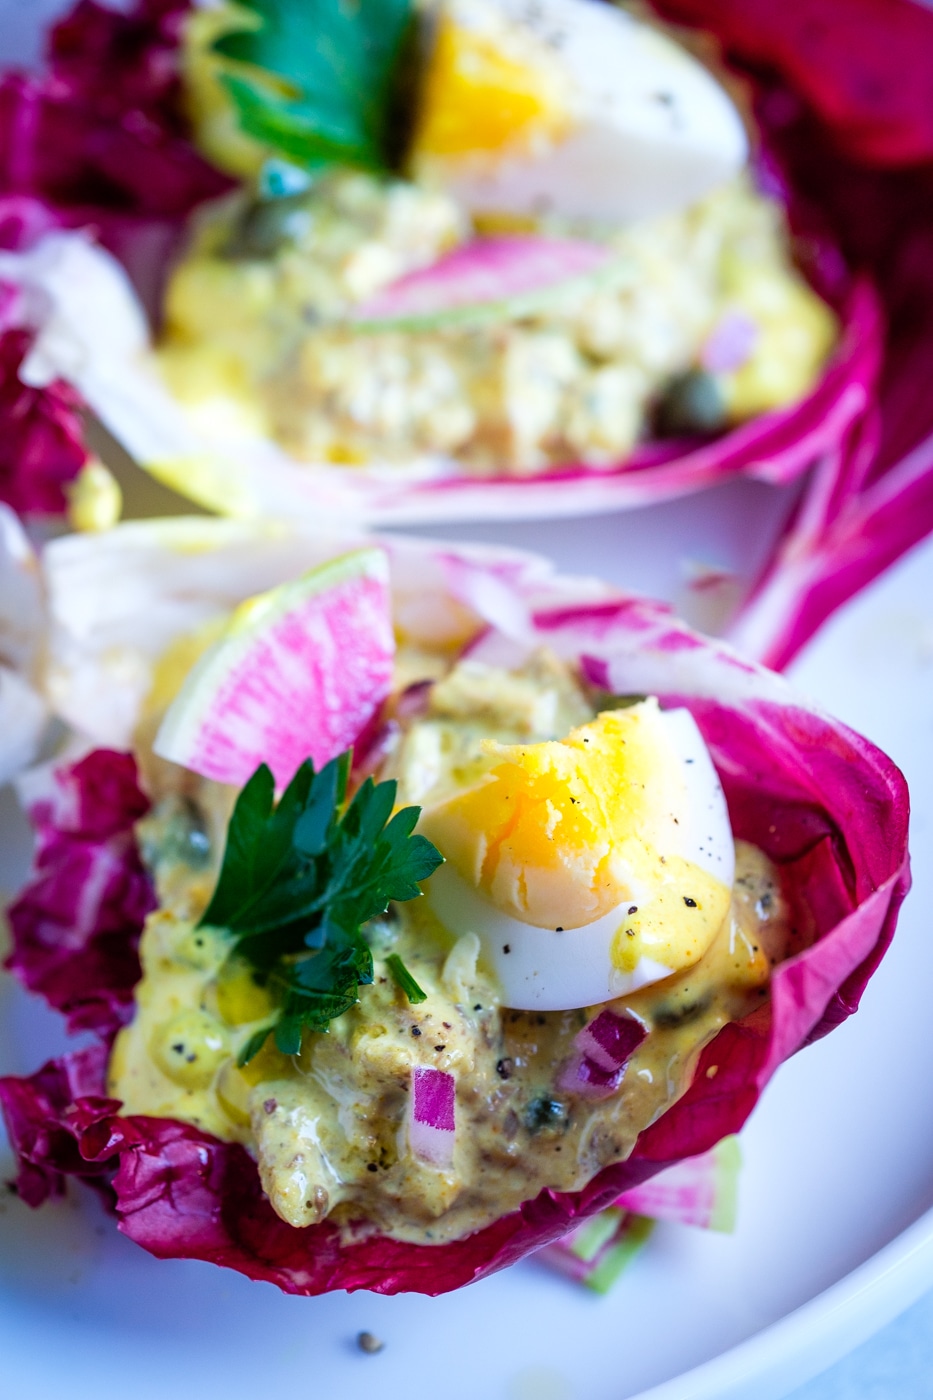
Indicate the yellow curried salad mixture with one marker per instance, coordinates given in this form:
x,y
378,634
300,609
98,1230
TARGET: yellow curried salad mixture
x,y
255,312
330,1126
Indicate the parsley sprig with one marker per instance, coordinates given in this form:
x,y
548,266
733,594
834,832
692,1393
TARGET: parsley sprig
x,y
319,80
298,881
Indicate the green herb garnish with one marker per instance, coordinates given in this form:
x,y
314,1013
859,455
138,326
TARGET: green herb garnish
x,y
299,880
404,980
318,80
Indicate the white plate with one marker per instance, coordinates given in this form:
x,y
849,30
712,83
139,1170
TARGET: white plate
x,y
833,1238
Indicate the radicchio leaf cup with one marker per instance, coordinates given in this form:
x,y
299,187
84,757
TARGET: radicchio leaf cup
x,y
825,805
135,194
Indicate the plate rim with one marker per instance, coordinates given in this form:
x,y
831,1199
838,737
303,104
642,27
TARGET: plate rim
x,y
813,1336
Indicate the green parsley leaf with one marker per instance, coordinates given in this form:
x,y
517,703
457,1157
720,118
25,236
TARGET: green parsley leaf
x,y
318,80
404,980
298,881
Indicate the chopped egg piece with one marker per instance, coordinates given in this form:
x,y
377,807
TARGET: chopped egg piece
x,y
569,106
591,866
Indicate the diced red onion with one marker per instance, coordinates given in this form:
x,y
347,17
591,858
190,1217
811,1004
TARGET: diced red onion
x,y
374,745
603,1048
595,670
610,1039
730,343
413,701
584,1079
432,1123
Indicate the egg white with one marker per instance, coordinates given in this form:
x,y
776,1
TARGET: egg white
x,y
547,969
652,129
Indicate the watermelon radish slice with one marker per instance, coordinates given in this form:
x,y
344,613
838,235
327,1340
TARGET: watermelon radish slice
x,y
597,1252
485,280
299,673
697,1191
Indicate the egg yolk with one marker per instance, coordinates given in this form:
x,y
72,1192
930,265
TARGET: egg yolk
x,y
560,833
477,98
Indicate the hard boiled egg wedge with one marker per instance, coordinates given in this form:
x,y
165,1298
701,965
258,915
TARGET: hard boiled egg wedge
x,y
571,107
590,866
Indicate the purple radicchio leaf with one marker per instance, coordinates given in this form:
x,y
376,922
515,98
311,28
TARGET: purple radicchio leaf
x,y
100,141
41,433
77,922
842,99
39,1111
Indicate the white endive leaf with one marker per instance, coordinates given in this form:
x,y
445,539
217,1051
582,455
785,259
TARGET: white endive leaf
x,y
23,715
120,598
22,610
23,712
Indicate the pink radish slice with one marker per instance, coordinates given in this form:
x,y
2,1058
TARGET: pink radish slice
x,y
490,273
697,1191
300,673
599,1249
431,1126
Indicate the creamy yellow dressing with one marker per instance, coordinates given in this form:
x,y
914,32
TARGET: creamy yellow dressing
x,y
327,1127
669,931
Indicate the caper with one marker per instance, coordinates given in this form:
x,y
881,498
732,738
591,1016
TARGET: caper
x,y
669,1015
266,225
176,833
606,700
192,946
691,403
544,1112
